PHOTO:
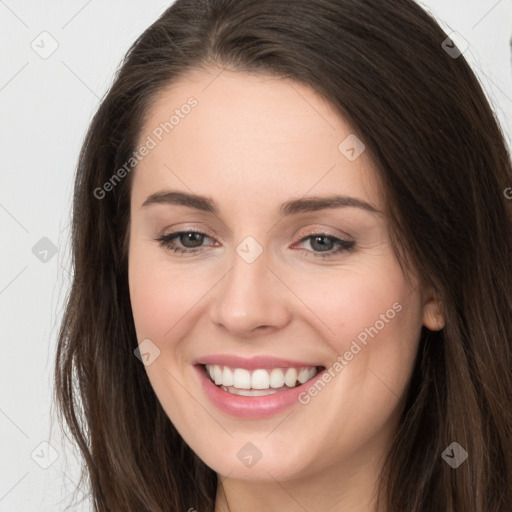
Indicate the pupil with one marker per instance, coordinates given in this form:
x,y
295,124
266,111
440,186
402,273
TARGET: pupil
x,y
192,237
322,246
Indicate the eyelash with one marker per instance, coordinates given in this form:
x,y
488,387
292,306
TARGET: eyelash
x,y
343,245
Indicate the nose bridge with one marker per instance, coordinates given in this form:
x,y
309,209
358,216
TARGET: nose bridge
x,y
249,296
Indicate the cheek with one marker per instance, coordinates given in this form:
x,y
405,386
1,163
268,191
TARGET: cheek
x,y
371,320
149,297
359,304
161,295
162,299
376,319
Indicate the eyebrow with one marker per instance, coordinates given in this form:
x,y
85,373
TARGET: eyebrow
x,y
292,207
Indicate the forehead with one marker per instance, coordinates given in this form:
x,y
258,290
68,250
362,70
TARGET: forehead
x,y
249,138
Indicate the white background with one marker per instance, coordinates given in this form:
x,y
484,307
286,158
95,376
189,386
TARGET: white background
x,y
45,108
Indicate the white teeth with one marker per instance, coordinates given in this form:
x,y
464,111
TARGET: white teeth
x,y
259,379
249,392
217,375
227,376
290,377
276,378
241,378
304,375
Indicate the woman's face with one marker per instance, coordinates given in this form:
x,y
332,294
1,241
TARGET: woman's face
x,y
292,268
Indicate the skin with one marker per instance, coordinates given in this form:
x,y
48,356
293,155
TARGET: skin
x,y
252,143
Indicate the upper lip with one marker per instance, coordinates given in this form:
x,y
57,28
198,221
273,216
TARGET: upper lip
x,y
252,363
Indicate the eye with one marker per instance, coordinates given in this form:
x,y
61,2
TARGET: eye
x,y
191,241
323,244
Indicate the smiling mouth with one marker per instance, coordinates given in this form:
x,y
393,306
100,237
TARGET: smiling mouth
x,y
260,381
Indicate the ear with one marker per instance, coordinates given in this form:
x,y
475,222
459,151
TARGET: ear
x,y
433,313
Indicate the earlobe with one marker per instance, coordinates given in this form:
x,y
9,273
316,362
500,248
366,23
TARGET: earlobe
x,y
433,315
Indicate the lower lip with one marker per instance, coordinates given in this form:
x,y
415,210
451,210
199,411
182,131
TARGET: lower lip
x,y
251,406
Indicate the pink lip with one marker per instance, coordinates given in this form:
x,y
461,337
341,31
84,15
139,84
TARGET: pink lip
x,y
252,406
252,363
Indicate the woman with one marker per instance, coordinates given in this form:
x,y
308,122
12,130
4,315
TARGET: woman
x,y
292,290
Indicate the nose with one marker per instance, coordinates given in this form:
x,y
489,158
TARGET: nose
x,y
250,299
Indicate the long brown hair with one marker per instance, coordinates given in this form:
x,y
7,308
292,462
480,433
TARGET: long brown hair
x,y
444,168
